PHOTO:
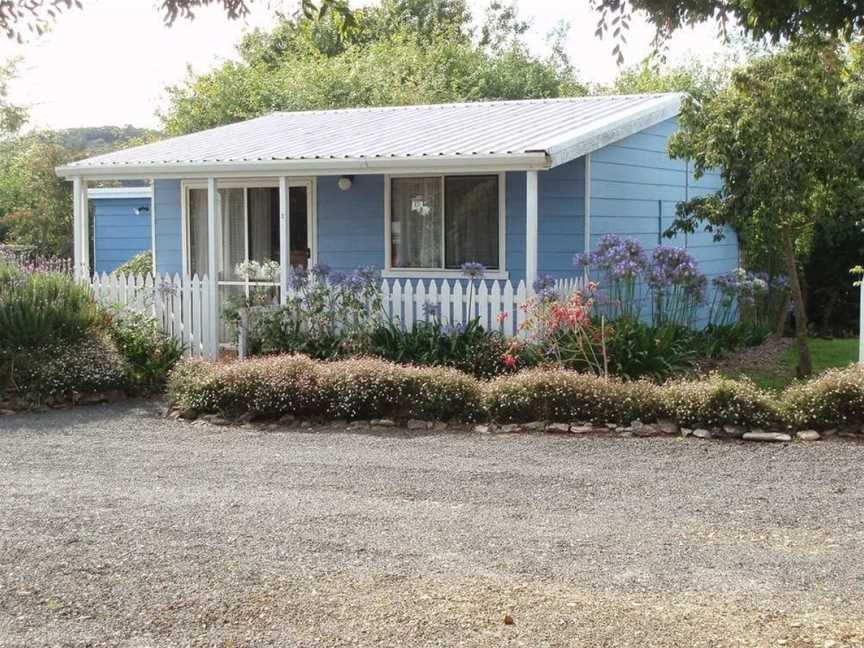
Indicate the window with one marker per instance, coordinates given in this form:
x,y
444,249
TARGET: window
x,y
249,229
443,222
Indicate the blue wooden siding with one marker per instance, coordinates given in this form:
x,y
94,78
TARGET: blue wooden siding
x,y
351,223
118,232
166,202
635,188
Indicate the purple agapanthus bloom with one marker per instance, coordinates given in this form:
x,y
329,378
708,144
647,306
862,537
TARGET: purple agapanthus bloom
x,y
454,329
337,278
621,259
298,278
473,270
431,310
673,266
543,281
320,270
368,274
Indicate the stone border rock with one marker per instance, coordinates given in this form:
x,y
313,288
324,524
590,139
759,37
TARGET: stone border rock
x,y
75,399
662,428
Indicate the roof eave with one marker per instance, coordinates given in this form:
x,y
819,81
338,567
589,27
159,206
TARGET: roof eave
x,y
613,130
527,161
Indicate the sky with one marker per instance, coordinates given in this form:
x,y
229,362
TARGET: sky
x,y
109,64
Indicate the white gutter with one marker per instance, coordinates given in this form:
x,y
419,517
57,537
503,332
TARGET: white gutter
x,y
529,161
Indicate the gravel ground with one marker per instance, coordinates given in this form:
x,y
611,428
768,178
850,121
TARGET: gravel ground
x,y
118,528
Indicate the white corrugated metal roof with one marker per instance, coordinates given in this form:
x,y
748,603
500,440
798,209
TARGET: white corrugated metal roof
x,y
530,134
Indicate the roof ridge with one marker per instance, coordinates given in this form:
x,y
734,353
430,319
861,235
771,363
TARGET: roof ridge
x,y
459,104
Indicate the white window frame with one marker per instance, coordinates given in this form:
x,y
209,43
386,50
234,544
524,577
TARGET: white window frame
x,y
444,273
246,184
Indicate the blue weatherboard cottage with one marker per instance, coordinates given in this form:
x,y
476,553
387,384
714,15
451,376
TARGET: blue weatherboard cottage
x,y
520,186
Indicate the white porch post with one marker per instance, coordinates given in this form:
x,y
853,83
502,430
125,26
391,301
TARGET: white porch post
x,y
284,233
530,229
80,229
212,268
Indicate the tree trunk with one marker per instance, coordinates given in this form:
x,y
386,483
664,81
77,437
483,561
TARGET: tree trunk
x,y
805,363
782,316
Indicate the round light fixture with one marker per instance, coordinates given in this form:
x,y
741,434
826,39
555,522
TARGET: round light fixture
x,y
345,183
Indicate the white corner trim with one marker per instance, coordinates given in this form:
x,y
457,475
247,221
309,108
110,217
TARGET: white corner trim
x,y
621,125
587,246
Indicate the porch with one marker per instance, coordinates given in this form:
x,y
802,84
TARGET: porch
x,y
427,226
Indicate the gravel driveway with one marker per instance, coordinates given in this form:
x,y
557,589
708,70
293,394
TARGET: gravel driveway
x,y
118,528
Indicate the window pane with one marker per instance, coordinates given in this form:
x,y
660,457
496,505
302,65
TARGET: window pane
x,y
415,228
233,233
471,220
198,232
264,224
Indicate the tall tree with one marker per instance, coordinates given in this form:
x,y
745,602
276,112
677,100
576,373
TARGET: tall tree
x,y
12,116
788,145
401,52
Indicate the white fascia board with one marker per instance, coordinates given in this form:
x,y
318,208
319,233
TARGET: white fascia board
x,y
614,129
529,161
95,193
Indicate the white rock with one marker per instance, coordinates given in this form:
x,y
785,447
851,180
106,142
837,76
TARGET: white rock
x,y
534,425
558,427
635,424
509,428
481,429
766,436
581,429
734,431
665,426
702,433
440,426
384,422
686,432
809,435
415,424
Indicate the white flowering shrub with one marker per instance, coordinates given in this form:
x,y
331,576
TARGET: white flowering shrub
x,y
294,384
556,395
92,365
717,400
833,399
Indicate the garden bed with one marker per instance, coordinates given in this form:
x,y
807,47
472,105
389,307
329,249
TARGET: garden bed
x,y
286,389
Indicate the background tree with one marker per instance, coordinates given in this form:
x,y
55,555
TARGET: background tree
x,y
775,20
786,140
400,52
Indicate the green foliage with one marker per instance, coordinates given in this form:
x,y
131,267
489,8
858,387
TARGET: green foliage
x,y
356,388
12,116
403,52
693,77
469,348
640,350
775,20
150,352
38,309
140,264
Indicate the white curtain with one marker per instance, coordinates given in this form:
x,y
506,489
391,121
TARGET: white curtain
x,y
231,210
416,222
198,232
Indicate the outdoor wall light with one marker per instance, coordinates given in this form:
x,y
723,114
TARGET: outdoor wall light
x,y
345,182
142,210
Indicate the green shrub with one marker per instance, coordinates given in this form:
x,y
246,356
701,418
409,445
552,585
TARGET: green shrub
x,y
639,350
469,348
293,384
716,400
39,309
91,365
150,351
140,264
556,395
833,399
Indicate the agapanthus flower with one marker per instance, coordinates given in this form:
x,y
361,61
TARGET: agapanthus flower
x,y
431,310
298,278
473,269
320,270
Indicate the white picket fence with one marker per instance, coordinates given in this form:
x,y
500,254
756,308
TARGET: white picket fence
x,y
180,304
496,304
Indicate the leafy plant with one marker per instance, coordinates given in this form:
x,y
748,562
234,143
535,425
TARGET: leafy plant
x,y
150,352
637,349
140,264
